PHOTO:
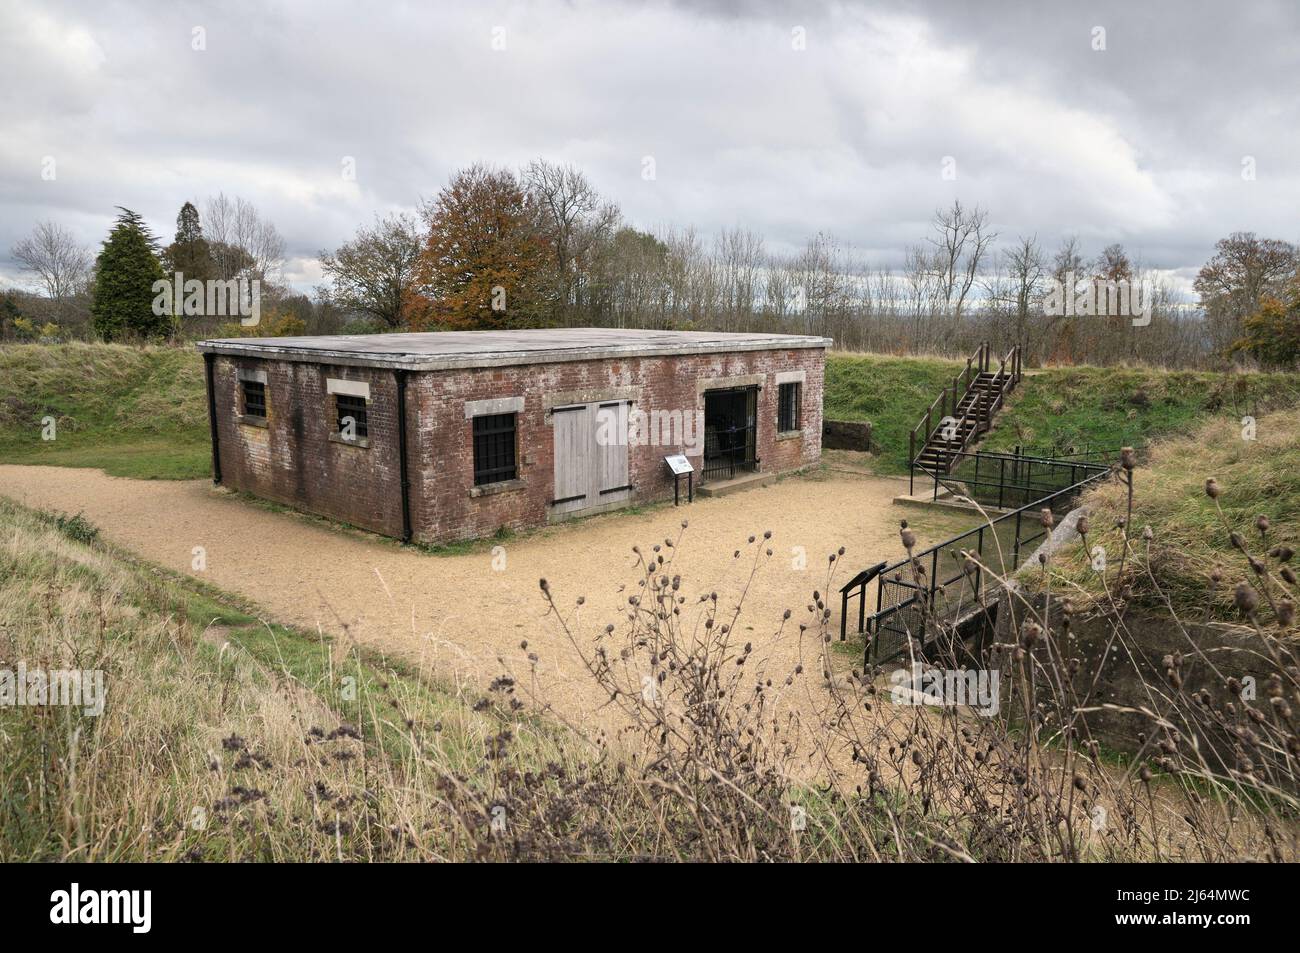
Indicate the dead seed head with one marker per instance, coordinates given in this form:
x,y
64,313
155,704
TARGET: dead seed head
x,y
1245,598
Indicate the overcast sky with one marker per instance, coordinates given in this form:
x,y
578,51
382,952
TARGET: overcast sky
x,y
1142,142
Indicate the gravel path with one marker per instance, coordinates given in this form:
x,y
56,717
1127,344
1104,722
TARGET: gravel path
x,y
462,618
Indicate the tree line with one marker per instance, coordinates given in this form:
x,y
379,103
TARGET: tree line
x,y
540,246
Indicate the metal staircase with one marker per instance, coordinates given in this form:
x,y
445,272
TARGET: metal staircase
x,y
963,411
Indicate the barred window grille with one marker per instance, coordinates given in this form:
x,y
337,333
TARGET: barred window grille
x,y
494,448
254,399
348,406
789,398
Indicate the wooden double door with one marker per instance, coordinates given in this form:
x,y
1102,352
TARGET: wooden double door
x,y
591,456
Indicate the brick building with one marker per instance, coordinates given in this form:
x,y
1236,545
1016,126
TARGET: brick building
x,y
443,436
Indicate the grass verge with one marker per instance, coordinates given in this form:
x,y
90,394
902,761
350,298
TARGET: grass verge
x,y
223,736
133,411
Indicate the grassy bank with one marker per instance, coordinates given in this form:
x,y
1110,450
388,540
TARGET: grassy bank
x,y
223,737
1111,407
1190,532
1106,407
891,392
133,411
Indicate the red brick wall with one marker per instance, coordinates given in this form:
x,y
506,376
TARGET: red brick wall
x,y
293,461
442,455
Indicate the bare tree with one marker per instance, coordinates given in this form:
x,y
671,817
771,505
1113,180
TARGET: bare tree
x,y
961,240
923,292
738,257
54,256
1024,271
241,241
577,220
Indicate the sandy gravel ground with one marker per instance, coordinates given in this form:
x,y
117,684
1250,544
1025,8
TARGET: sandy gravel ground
x,y
462,617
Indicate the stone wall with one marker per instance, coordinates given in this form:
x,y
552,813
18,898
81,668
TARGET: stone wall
x,y
846,435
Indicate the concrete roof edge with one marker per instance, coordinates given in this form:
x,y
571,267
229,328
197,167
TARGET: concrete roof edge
x,y
418,362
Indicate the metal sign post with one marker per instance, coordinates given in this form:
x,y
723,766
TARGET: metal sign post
x,y
679,466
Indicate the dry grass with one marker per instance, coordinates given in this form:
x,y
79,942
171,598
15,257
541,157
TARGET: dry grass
x,y
1190,532
260,750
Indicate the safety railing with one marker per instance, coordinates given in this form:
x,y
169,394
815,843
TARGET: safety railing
x,y
939,584
965,409
1004,480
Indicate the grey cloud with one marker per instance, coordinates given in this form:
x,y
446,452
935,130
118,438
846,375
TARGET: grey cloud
x,y
1141,143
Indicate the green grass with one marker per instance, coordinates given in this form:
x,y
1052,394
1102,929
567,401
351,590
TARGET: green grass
x,y
1111,407
1104,407
893,393
132,411
1189,536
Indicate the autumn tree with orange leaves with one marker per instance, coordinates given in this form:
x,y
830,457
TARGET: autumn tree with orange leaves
x,y
486,262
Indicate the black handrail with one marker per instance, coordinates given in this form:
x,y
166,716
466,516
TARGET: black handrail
x,y
1053,474
856,587
926,584
1066,451
981,403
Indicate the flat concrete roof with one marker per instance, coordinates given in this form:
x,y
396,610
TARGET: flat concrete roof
x,y
440,350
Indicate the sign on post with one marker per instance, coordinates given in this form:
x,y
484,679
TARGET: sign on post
x,y
679,466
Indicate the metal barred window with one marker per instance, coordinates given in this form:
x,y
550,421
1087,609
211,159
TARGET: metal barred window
x,y
494,448
348,406
789,398
254,399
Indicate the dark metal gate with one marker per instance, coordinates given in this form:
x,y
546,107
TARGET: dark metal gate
x,y
730,432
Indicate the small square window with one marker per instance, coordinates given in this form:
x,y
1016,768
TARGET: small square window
x,y
351,414
789,399
254,399
494,449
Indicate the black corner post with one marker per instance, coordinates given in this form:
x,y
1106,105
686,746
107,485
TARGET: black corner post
x,y
400,377
209,371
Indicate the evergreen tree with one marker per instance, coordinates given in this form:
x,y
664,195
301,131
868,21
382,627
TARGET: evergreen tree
x,y
189,252
127,268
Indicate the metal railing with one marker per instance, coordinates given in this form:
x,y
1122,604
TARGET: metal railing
x,y
967,402
1066,450
1004,480
945,582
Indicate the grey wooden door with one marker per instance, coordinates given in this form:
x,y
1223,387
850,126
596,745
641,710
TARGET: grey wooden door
x,y
573,458
613,483
591,465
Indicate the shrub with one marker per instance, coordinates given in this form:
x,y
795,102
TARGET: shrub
x,y
76,527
